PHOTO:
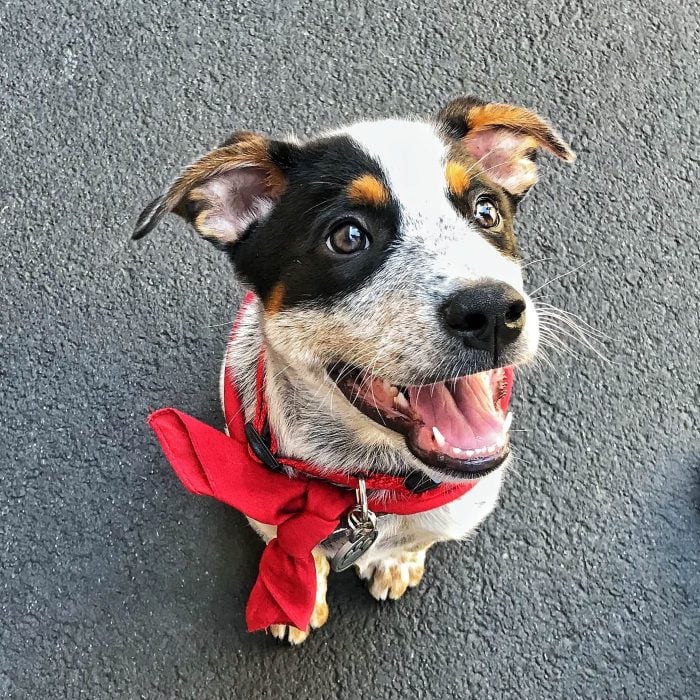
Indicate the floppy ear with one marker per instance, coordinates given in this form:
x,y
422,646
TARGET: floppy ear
x,y
223,192
503,139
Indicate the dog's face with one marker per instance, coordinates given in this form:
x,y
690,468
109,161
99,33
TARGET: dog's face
x,y
387,263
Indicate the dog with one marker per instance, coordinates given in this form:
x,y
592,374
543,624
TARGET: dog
x,y
387,294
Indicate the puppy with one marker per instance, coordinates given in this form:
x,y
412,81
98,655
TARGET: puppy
x,y
388,301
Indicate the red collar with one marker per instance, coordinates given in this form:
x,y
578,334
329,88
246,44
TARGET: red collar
x,y
305,510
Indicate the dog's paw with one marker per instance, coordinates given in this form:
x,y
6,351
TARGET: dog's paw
x,y
319,616
393,576
292,634
296,636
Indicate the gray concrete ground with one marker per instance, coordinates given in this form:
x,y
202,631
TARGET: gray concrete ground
x,y
114,581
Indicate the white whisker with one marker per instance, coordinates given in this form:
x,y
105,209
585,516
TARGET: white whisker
x,y
558,277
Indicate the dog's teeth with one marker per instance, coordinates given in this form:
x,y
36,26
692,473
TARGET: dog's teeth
x,y
501,441
438,437
390,388
457,452
400,401
469,453
492,449
507,421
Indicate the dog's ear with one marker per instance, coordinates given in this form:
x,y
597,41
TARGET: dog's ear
x,y
504,139
226,190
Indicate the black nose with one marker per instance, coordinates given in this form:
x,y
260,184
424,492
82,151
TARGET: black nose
x,y
486,315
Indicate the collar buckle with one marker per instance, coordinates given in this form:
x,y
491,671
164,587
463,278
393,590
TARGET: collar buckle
x,y
417,482
260,448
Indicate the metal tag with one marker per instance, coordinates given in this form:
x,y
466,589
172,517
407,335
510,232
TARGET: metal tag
x,y
358,536
358,539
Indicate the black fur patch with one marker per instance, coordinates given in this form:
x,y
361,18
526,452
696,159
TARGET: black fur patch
x,y
452,118
290,245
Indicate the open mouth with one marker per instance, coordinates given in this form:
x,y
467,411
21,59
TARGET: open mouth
x,y
459,426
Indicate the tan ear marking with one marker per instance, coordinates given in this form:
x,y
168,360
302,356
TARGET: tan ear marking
x,y
224,191
367,189
457,178
249,150
518,119
200,224
197,195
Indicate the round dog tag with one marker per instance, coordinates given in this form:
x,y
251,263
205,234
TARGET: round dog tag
x,y
359,540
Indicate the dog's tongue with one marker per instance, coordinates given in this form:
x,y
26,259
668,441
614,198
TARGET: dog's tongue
x,y
463,411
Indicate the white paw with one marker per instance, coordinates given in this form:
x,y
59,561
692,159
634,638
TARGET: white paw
x,y
391,577
296,636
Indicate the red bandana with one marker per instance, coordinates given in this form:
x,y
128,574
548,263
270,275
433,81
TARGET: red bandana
x,y
305,510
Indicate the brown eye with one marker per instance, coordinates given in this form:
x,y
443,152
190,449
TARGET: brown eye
x,y
347,239
486,213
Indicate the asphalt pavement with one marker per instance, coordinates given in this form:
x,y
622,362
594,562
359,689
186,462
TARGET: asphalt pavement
x,y
114,582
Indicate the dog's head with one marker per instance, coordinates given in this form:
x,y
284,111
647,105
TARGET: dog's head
x,y
386,259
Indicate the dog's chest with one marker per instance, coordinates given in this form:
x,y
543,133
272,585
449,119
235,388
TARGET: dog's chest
x,y
405,533
453,521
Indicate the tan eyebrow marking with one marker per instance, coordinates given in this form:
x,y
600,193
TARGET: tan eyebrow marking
x,y
457,178
366,189
275,299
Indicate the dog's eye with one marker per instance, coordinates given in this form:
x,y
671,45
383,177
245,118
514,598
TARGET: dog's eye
x,y
486,213
347,239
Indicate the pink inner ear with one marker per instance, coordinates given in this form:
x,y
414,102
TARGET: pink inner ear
x,y
234,199
502,155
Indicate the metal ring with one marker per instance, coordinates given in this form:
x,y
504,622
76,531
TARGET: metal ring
x,y
361,495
